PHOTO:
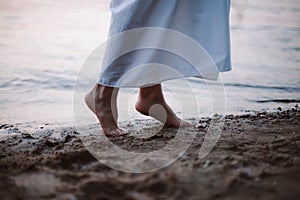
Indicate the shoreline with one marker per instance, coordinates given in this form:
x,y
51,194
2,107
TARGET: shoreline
x,y
9,127
257,156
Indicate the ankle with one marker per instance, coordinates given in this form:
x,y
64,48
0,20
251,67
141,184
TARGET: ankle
x,y
151,97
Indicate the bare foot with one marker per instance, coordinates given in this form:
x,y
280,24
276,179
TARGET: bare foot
x,y
152,103
100,102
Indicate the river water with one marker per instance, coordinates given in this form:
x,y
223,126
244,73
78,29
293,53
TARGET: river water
x,y
43,44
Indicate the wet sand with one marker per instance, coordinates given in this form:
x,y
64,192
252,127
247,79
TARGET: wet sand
x,y
257,157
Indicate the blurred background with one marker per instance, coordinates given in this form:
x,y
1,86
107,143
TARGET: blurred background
x,y
44,43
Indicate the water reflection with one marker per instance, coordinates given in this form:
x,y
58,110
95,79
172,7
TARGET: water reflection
x,y
44,43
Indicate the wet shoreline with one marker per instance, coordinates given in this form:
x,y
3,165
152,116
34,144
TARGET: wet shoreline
x,y
257,155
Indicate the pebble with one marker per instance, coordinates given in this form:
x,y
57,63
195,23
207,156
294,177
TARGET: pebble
x,y
279,108
203,125
204,120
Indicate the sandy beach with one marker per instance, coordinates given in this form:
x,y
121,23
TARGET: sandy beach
x,y
257,157
43,45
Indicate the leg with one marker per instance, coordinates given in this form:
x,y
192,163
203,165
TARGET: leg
x,y
102,101
153,95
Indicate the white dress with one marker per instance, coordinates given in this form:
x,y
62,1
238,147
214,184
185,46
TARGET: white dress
x,y
204,21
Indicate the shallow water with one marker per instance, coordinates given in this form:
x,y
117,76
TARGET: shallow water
x,y
44,43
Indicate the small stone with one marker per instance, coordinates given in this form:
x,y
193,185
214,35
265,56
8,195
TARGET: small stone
x,y
279,108
204,120
203,125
